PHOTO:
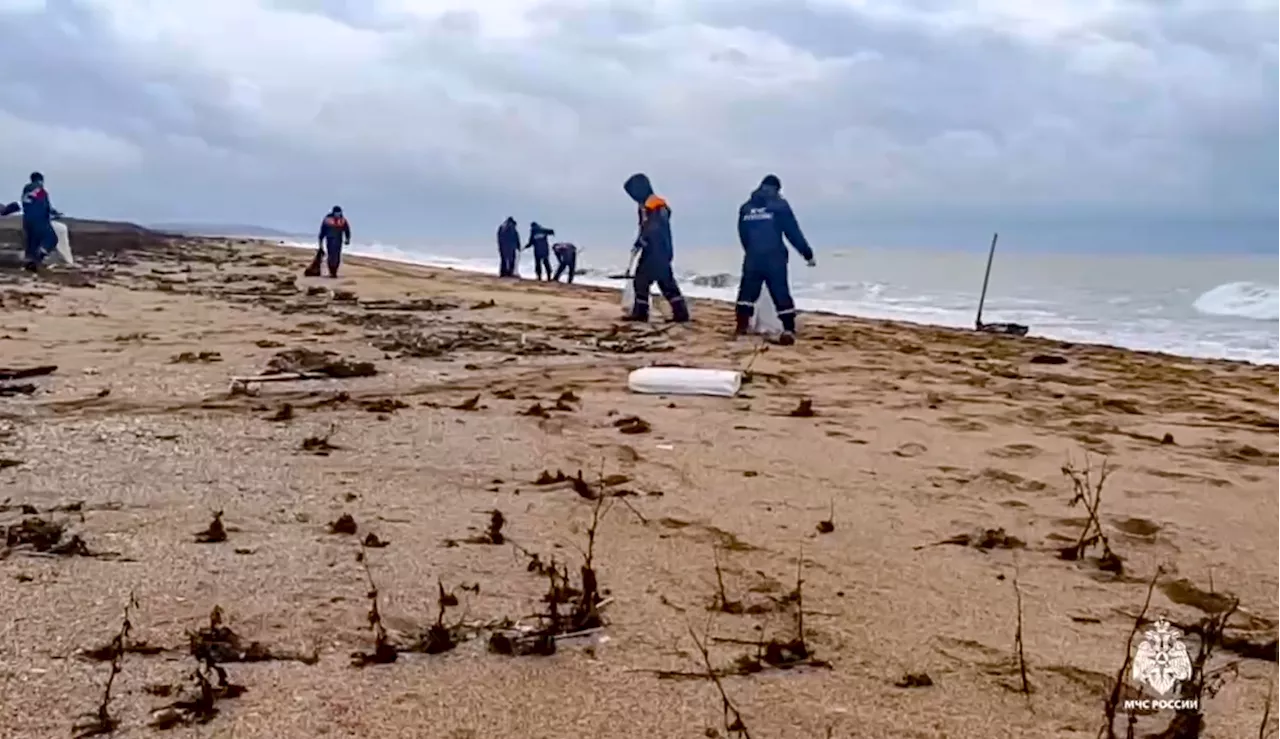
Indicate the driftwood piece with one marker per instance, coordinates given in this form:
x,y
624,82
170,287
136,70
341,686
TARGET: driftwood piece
x,y
13,373
241,384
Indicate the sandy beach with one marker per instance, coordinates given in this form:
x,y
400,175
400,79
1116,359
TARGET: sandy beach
x,y
911,478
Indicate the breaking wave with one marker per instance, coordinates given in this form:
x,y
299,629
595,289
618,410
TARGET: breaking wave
x,y
1241,300
1229,321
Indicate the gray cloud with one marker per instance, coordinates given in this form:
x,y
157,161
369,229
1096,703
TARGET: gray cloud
x,y
441,124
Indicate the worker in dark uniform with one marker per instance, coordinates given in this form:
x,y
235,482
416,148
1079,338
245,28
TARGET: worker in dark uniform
x,y
541,248
566,260
656,251
334,232
38,213
508,247
763,222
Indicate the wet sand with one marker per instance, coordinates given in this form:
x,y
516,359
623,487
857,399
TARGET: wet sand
x,y
917,436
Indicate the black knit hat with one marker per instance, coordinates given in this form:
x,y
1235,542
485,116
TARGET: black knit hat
x,y
771,180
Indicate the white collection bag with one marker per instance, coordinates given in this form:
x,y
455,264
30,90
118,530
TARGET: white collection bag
x,y
64,242
628,297
685,381
765,320
629,287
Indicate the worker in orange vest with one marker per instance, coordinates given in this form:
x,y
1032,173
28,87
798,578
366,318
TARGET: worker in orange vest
x,y
334,232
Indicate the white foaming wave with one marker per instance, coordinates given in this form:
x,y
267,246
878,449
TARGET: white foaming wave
x,y
1250,300
874,305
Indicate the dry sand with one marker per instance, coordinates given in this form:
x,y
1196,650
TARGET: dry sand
x,y
920,434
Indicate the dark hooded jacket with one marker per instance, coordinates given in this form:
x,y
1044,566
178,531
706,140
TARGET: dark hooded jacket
x,y
763,221
334,228
654,239
509,236
538,238
36,208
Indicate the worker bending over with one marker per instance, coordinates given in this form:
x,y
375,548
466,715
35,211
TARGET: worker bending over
x,y
656,250
566,260
763,221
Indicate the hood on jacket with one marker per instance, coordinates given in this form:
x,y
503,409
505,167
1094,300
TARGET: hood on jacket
x,y
769,188
638,187
762,195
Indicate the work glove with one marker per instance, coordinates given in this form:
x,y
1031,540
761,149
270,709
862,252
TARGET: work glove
x,y
811,262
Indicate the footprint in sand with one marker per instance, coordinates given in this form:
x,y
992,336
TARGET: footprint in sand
x,y
1015,451
1009,478
1187,477
1139,528
1232,451
910,449
960,423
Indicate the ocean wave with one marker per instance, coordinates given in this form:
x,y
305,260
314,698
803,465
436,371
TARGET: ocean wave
x,y
718,279
1250,300
1223,306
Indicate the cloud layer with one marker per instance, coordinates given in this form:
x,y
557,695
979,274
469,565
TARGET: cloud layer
x,y
446,120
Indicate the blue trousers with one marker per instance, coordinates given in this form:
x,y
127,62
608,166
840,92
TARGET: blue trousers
x,y
507,261
542,260
648,272
39,239
758,274
567,264
333,255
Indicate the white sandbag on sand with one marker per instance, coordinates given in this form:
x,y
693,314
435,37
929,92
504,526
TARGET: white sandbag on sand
x,y
685,381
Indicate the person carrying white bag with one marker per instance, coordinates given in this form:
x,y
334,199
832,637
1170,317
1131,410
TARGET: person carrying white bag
x,y
763,221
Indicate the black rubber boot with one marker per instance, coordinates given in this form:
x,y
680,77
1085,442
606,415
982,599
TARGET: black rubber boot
x,y
679,311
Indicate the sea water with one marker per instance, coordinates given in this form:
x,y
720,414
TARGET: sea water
x,y
1219,306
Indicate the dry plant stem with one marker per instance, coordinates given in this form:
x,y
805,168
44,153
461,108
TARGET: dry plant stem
x,y
1017,637
1089,492
755,352
733,723
1113,700
1204,683
643,521
102,722
382,649
1264,728
588,615
721,595
800,600
1092,501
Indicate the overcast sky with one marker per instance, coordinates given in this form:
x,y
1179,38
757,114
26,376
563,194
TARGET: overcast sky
x,y
887,120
